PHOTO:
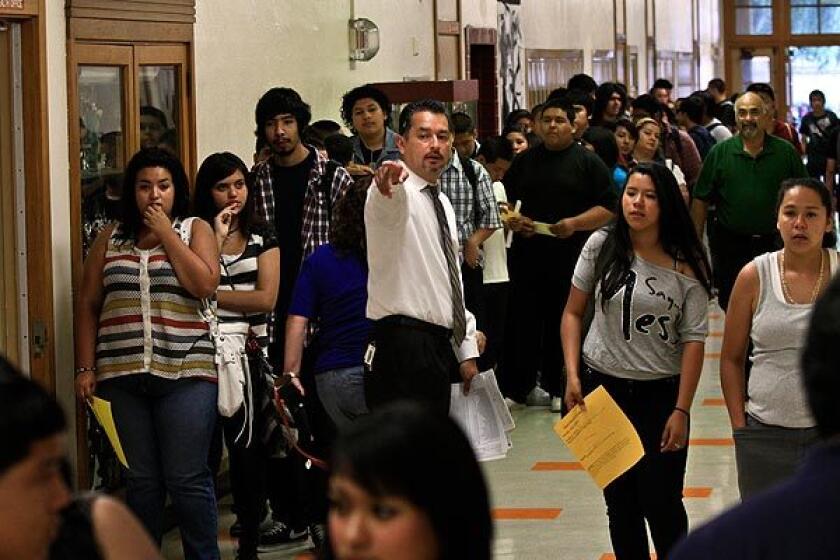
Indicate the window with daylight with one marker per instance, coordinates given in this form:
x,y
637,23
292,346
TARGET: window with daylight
x,y
754,17
814,17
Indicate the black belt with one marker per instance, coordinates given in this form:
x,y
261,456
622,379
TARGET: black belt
x,y
412,323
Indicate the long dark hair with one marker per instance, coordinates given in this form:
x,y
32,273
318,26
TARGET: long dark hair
x,y
217,167
829,237
397,451
347,228
676,235
602,98
28,414
131,221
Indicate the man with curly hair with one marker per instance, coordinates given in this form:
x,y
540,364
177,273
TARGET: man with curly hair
x,y
366,111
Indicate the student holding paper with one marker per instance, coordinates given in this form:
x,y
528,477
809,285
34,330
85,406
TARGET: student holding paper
x,y
649,279
563,184
141,345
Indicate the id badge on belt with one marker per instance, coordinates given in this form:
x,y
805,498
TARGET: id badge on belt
x,y
370,352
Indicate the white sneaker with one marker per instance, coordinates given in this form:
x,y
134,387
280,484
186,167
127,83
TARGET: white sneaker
x,y
538,397
556,404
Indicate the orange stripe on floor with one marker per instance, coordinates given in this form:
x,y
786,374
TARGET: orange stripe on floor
x,y
557,466
712,441
611,556
714,402
713,354
526,513
697,492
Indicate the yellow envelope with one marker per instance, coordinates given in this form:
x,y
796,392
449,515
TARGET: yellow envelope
x,y
102,410
601,438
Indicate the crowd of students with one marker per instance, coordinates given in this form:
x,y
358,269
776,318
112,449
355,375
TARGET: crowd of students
x,y
564,254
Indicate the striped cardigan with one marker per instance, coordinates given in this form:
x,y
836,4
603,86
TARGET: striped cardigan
x,y
149,323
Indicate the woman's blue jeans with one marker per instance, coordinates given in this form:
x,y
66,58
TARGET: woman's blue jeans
x,y
342,392
165,428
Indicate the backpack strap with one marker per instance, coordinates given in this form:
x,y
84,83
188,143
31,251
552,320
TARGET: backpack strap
x,y
472,178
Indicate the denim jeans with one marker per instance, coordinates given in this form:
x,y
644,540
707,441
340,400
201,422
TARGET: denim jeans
x,y
165,427
342,392
651,491
766,455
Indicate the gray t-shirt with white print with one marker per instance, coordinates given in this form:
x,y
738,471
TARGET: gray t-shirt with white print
x,y
646,322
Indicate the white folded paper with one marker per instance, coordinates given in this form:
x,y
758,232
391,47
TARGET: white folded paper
x,y
483,416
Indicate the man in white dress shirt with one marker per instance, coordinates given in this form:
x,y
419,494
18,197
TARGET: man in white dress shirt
x,y
423,337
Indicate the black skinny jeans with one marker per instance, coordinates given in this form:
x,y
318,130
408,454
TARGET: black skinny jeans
x,y
652,490
248,466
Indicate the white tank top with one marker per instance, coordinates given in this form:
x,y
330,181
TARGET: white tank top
x,y
776,393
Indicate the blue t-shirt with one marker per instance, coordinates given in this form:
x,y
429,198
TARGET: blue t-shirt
x,y
332,290
619,179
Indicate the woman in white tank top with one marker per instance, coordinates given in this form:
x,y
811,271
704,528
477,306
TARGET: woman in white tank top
x,y
770,307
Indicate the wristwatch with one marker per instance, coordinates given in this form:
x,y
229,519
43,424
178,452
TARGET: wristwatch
x,y
291,374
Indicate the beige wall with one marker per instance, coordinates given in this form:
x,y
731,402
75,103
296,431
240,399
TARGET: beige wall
x,y
582,24
636,37
479,13
673,25
60,211
239,56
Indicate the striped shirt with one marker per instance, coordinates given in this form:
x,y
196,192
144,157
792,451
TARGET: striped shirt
x,y
239,273
149,323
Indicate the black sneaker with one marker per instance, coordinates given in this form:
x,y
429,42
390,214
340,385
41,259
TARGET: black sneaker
x,y
278,534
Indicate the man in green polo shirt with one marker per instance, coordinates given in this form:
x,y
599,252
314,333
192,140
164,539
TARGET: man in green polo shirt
x,y
741,177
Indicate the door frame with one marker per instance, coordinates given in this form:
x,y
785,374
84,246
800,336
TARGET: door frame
x,y
30,14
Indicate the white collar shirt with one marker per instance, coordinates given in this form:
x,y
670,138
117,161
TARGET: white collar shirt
x,y
408,274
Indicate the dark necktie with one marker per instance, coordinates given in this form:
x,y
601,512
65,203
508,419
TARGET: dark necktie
x,y
459,318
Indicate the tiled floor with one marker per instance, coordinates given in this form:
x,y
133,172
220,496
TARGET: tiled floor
x,y
546,507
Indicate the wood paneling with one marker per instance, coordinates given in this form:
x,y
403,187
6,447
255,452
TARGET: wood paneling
x,y
38,207
9,324
403,92
87,29
19,8
175,11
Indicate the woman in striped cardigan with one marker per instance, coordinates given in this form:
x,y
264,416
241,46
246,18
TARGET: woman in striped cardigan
x,y
142,345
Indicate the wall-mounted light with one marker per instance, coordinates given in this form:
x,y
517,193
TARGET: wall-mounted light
x,y
364,39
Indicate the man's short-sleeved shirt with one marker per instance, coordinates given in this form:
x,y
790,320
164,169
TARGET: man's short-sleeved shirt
x,y
744,188
554,185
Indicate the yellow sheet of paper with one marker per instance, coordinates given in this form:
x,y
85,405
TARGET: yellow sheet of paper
x,y
102,410
541,228
601,438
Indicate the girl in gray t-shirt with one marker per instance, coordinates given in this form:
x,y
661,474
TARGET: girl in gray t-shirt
x,y
648,279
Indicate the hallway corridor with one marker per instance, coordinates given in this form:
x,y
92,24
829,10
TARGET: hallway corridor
x,y
546,507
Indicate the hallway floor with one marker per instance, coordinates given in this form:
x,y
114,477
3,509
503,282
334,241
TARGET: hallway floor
x,y
546,507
